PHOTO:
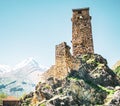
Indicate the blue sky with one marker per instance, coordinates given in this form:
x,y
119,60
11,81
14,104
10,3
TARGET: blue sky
x,y
32,28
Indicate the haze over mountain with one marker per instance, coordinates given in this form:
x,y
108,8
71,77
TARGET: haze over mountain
x,y
21,78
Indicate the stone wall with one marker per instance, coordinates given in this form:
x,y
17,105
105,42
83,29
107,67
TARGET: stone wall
x,y
62,53
82,41
64,62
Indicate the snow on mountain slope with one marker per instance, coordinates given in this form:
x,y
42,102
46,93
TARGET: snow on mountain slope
x,y
29,61
29,68
21,78
4,68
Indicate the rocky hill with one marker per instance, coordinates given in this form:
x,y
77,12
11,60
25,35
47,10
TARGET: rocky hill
x,y
80,78
94,83
116,68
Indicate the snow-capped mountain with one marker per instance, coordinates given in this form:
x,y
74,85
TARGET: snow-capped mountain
x,y
21,78
27,62
29,68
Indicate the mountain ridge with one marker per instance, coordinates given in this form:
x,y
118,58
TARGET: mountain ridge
x,y
21,78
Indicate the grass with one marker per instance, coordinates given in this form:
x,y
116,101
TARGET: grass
x,y
2,96
117,71
91,60
73,78
42,104
109,91
47,86
109,96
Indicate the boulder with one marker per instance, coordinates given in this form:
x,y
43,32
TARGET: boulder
x,y
116,99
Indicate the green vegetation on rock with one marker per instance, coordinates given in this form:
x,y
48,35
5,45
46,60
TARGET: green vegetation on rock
x,y
42,104
2,96
117,71
109,91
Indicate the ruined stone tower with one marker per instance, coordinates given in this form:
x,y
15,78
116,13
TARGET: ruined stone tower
x,y
63,57
82,41
62,53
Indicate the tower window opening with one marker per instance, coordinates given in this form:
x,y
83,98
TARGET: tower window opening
x,y
79,12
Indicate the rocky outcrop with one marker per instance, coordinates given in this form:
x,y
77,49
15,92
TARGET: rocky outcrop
x,y
115,101
81,79
96,70
92,84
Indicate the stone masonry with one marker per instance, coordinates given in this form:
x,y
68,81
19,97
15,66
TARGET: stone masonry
x,y
82,43
64,62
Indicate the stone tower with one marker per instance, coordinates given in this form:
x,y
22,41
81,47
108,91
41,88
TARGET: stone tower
x,y
62,53
82,41
63,58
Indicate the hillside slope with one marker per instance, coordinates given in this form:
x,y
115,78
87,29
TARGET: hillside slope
x,y
94,83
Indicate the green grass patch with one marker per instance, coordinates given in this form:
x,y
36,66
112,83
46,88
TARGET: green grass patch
x,y
107,90
42,104
73,78
117,71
